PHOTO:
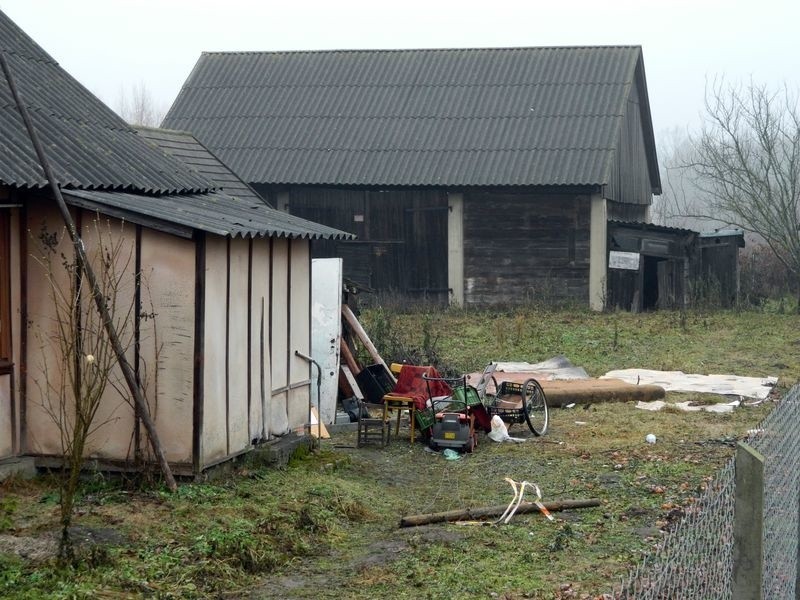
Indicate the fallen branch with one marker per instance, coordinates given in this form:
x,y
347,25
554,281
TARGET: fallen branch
x,y
492,511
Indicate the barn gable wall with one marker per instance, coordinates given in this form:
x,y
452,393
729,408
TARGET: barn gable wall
x,y
629,177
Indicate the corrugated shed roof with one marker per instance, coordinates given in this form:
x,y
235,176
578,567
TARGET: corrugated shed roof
x,y
87,144
214,212
461,117
651,227
183,146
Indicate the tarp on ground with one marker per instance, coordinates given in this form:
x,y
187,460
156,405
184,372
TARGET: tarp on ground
x,y
678,381
558,368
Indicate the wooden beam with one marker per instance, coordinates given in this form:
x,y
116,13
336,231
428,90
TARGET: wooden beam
x,y
362,336
349,359
468,514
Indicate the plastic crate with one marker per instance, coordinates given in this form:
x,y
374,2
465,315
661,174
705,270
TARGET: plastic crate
x,y
374,382
471,399
425,419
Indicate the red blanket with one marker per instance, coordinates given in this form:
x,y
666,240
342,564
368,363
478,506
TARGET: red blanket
x,y
410,384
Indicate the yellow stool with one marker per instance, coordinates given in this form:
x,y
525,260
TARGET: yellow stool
x,y
392,403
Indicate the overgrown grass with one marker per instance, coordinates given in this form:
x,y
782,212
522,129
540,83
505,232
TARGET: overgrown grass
x,y
326,527
744,343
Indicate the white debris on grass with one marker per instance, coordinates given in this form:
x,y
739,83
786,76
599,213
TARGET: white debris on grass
x,y
688,406
678,381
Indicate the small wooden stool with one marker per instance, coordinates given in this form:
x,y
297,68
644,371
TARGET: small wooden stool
x,y
392,403
373,430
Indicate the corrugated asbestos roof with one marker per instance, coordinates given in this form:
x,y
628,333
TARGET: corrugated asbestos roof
x,y
213,212
462,117
233,210
87,144
102,163
650,227
183,146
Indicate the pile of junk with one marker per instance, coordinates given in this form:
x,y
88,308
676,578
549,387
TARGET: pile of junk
x,y
445,412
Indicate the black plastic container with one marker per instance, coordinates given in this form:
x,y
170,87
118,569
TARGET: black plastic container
x,y
374,382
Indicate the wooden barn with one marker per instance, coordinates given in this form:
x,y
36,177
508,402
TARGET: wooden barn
x,y
475,176
227,278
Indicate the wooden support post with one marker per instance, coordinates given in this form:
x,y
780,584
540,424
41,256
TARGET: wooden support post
x,y
748,524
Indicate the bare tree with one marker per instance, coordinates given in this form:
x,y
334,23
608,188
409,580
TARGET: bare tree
x,y
138,107
78,360
743,168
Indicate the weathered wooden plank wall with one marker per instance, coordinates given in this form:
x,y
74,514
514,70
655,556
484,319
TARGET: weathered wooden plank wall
x,y
402,236
522,248
720,270
629,180
115,416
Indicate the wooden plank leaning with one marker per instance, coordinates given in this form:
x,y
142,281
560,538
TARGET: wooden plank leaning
x,y
362,336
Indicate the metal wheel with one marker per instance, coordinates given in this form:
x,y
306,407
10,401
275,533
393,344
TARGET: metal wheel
x,y
496,387
534,405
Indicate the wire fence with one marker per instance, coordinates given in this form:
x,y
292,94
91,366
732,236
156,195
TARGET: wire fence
x,y
695,561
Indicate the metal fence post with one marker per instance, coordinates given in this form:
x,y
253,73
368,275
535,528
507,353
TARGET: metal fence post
x,y
748,524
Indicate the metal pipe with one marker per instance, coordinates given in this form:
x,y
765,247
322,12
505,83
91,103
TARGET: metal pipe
x,y
306,357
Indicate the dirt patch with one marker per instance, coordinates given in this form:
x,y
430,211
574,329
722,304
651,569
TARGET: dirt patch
x,y
45,546
35,549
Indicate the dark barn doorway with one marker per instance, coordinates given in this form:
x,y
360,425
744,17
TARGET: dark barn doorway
x,y
650,291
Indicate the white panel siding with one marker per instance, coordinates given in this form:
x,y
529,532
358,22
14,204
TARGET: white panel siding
x,y
215,432
238,363
259,340
279,410
300,332
168,290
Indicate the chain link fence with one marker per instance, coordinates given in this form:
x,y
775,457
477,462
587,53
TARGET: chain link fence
x,y
695,561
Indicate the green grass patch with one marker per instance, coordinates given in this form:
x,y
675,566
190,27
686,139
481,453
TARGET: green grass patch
x,y
327,525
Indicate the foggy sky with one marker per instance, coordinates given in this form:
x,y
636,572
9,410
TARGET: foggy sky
x,y
112,45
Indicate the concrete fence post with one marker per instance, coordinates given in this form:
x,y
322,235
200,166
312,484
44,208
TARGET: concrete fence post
x,y
748,524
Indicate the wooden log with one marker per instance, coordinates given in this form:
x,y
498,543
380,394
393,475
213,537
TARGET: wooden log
x,y
468,514
358,330
348,384
349,359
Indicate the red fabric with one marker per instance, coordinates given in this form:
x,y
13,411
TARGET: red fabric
x,y
410,384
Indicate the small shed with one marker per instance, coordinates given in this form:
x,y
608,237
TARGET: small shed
x,y
228,278
649,266
653,266
719,257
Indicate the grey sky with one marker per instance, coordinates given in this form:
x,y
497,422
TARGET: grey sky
x,y
111,45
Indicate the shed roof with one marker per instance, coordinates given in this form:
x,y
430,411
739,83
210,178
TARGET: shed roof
x,y
213,212
457,117
88,145
185,147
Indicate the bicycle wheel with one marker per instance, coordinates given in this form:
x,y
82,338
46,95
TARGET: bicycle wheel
x,y
534,404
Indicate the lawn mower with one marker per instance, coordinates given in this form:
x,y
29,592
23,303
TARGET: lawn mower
x,y
452,419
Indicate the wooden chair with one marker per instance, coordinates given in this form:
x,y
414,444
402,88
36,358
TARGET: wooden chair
x,y
371,429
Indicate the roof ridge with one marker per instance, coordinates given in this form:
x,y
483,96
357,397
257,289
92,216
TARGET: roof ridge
x,y
419,150
401,50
